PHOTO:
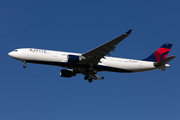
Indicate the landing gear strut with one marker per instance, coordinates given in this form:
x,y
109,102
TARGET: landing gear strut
x,y
24,64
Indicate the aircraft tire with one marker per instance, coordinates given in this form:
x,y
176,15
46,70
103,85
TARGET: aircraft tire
x,y
90,80
24,66
86,77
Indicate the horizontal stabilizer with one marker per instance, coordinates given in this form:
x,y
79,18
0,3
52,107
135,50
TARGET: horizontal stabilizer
x,y
164,62
162,68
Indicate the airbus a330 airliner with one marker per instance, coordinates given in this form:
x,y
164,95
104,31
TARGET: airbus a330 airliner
x,y
95,60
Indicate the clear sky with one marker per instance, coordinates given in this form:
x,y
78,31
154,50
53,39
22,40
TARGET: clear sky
x,y
39,93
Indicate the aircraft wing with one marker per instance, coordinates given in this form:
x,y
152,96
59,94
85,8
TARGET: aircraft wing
x,y
96,54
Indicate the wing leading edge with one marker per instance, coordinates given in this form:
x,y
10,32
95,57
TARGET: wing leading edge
x,y
97,53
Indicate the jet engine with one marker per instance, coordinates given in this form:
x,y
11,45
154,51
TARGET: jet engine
x,y
74,58
67,73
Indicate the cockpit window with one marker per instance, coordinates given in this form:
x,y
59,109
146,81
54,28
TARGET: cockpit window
x,y
15,50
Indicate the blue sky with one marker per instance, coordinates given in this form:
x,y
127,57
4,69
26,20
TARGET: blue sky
x,y
38,92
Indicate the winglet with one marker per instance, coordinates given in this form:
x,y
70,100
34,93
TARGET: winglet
x,y
102,78
128,32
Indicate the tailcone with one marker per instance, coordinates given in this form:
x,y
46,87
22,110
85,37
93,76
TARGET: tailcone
x,y
167,65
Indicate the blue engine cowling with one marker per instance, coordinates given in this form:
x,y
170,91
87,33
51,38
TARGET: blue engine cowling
x,y
73,59
66,73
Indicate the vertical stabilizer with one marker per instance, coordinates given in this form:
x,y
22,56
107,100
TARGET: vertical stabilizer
x,y
160,54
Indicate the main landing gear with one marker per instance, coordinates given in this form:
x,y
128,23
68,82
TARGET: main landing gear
x,y
90,70
24,64
88,78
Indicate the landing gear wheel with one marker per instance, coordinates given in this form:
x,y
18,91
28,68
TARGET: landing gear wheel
x,y
86,77
90,80
24,66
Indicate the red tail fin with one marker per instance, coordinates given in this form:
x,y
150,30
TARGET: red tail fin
x,y
160,54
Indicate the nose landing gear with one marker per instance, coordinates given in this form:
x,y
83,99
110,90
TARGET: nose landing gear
x,y
24,64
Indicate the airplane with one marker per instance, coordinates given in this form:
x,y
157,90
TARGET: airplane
x,y
95,60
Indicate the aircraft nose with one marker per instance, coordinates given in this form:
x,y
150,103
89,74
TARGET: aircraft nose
x,y
10,53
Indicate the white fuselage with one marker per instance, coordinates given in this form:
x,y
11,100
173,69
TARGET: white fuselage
x,y
60,59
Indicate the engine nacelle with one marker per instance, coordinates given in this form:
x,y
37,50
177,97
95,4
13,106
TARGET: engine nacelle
x,y
74,58
67,73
